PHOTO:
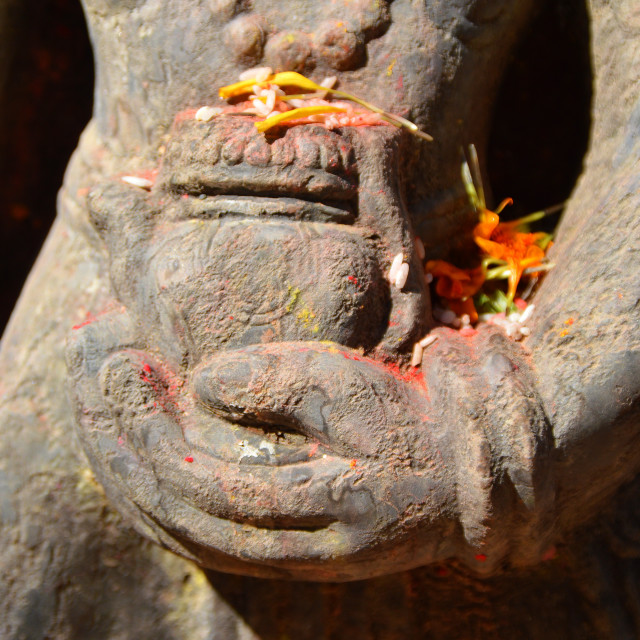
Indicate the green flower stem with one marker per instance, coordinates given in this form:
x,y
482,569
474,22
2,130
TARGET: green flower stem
x,y
391,118
498,273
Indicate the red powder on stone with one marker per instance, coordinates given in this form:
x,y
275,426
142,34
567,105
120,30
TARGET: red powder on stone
x,y
189,459
148,174
89,319
187,114
481,557
414,374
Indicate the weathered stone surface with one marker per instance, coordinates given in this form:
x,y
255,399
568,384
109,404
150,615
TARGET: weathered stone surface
x,y
236,377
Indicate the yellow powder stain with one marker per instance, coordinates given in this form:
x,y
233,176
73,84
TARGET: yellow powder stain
x,y
291,38
390,68
294,296
306,316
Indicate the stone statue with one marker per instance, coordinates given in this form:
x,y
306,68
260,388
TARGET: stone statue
x,y
220,363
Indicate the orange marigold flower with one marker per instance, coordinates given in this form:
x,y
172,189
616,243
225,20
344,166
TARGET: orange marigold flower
x,y
503,241
457,285
507,249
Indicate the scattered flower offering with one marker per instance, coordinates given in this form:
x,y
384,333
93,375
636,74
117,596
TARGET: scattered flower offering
x,y
507,252
291,98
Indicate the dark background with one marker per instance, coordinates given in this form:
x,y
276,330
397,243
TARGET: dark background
x,y
538,139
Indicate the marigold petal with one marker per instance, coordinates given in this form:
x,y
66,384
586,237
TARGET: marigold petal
x,y
493,249
443,268
454,283
488,222
534,252
477,278
449,288
515,272
503,204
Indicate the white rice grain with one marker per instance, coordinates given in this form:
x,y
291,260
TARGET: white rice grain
x,y
204,114
143,183
329,82
270,102
427,340
259,74
416,357
401,278
526,314
396,263
261,108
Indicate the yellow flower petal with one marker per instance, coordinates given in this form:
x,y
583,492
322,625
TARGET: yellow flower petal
x,y
294,114
236,89
293,79
284,79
